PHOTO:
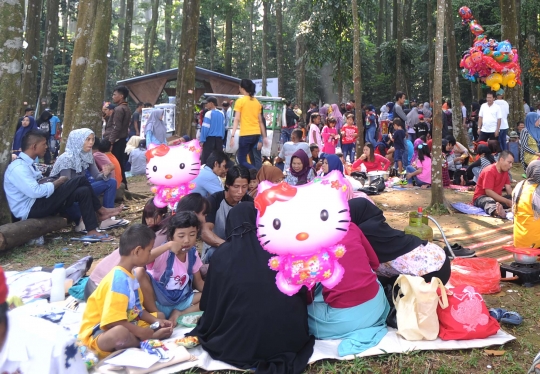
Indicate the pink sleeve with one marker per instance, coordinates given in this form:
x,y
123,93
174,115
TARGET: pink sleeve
x,y
357,164
157,267
372,256
325,134
198,263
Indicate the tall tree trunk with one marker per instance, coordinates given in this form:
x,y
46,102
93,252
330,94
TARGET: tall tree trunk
x,y
300,63
212,26
510,32
65,15
185,83
250,40
431,49
380,21
437,191
399,68
228,41
79,63
49,47
31,53
457,117
339,76
168,33
388,28
264,64
126,44
357,74
152,36
121,28
407,19
279,47
11,37
395,18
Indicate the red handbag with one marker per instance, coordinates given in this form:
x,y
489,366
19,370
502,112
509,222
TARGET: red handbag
x,y
466,316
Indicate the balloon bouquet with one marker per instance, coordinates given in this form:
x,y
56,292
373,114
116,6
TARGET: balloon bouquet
x,y
171,170
494,63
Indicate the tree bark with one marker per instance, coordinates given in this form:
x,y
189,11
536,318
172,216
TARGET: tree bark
x,y
168,34
228,41
399,68
15,234
31,53
357,74
11,37
65,15
49,47
407,19
510,32
431,49
79,65
185,84
437,190
457,117
279,48
212,26
126,44
250,38
300,63
380,31
121,28
395,18
152,36
264,64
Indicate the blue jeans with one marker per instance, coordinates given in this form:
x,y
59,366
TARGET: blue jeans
x,y
412,169
502,138
108,189
286,134
370,135
256,157
401,155
348,149
245,145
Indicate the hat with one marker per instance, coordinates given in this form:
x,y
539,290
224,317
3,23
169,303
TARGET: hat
x,y
514,134
3,287
420,116
211,99
111,106
500,92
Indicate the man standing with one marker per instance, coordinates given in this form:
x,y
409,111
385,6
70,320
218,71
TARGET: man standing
x,y
56,132
493,181
313,108
398,107
489,119
135,125
209,179
290,119
116,130
227,112
212,130
505,110
27,112
526,107
289,148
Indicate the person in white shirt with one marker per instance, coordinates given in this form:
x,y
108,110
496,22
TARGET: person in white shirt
x,y
526,107
289,148
33,345
489,119
505,110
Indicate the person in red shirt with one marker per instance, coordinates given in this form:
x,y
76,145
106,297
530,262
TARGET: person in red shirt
x,y
349,133
370,160
493,180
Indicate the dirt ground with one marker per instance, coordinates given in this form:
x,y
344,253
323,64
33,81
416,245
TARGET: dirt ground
x,y
396,205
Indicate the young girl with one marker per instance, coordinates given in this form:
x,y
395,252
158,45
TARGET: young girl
x,y
330,137
314,131
173,271
349,133
420,171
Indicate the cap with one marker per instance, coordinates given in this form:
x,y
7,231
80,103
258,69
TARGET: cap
x,y
500,92
420,116
3,287
111,106
211,99
514,134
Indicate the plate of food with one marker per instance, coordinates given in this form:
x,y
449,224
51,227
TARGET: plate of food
x,y
190,319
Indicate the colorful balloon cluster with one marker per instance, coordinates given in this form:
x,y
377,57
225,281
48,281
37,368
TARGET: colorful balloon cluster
x,y
494,63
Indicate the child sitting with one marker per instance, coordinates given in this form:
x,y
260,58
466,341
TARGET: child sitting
x,y
253,184
105,147
114,318
173,270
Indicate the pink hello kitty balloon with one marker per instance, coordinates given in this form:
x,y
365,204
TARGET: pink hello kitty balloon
x,y
303,225
171,170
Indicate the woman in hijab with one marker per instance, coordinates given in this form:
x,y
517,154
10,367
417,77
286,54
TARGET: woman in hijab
x,y
336,113
300,171
426,110
398,253
77,160
28,124
268,173
355,310
323,111
133,143
526,207
247,321
333,162
529,138
155,130
412,119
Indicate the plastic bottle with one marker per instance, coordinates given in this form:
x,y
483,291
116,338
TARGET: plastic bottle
x,y
58,279
418,225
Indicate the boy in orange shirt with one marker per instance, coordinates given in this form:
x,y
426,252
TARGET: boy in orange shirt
x,y
105,147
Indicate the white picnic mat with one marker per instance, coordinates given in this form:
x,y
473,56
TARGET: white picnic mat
x,y
327,349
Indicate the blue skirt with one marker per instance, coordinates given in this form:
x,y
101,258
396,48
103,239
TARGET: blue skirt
x,y
360,327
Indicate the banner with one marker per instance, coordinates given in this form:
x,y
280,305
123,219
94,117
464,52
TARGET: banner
x,y
271,87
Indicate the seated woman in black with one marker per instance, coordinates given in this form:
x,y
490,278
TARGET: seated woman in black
x,y
398,253
247,321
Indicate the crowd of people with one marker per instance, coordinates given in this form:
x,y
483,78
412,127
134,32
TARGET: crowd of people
x,y
157,274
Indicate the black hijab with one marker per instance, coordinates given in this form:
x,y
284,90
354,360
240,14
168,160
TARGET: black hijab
x,y
247,321
387,242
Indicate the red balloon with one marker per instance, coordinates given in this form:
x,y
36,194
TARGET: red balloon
x,y
465,13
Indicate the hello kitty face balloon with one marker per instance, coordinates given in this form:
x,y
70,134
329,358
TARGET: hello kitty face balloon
x,y
171,170
303,226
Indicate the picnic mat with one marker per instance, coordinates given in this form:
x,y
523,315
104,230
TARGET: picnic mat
x,y
469,209
327,349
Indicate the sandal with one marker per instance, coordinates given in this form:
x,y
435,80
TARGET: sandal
x,y
512,318
94,238
497,313
120,223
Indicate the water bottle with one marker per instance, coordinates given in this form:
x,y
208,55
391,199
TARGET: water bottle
x,y
58,278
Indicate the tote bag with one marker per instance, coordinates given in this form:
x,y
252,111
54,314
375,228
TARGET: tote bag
x,y
416,307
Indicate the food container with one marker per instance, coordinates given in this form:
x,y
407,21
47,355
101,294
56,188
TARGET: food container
x,y
523,255
525,259
372,175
